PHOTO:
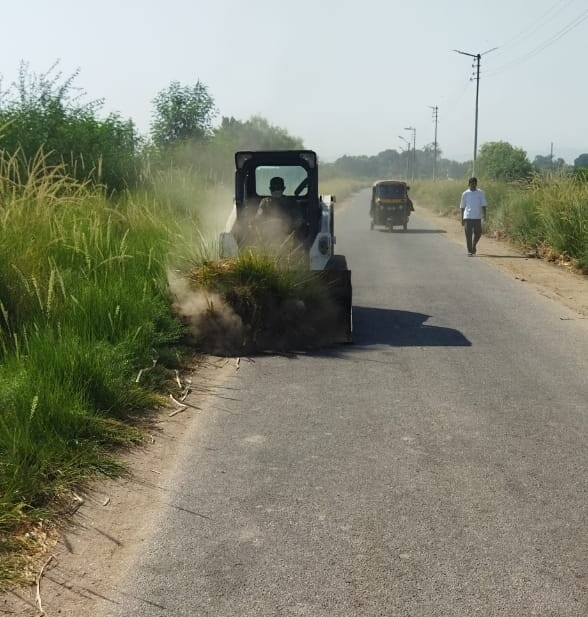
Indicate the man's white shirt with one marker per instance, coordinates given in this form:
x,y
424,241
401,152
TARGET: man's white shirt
x,y
472,203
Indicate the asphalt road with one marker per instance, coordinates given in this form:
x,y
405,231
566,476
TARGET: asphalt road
x,y
436,467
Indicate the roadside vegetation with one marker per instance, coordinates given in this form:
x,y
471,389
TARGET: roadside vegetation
x,y
83,308
100,242
544,214
109,281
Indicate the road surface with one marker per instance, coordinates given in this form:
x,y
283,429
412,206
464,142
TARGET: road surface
x,y
436,467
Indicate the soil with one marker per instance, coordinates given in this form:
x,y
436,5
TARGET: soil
x,y
80,572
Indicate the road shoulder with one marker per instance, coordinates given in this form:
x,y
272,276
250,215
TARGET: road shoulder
x,y
554,281
82,573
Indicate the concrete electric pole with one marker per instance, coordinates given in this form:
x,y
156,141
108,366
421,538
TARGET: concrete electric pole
x,y
477,58
411,128
435,120
407,153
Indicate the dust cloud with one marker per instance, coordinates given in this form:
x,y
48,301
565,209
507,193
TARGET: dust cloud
x,y
211,322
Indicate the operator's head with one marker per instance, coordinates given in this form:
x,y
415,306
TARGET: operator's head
x,y
277,186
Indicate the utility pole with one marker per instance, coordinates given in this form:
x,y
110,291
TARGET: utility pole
x,y
411,128
435,119
478,58
408,153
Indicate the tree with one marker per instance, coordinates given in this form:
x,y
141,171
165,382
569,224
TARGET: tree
x,y
182,113
547,163
499,160
255,134
453,170
426,163
581,161
45,113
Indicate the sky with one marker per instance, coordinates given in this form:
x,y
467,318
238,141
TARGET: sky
x,y
347,77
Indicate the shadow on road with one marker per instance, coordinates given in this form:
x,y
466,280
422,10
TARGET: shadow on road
x,y
375,326
413,231
504,256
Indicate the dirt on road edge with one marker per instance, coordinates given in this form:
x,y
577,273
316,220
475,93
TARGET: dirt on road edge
x,y
556,281
82,572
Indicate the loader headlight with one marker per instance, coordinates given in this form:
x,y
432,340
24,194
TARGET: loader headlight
x,y
324,245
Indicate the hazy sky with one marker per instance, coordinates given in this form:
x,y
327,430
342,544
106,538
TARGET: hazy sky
x,y
345,76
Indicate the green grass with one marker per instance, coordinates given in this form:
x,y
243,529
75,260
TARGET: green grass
x,y
561,204
84,306
343,187
548,213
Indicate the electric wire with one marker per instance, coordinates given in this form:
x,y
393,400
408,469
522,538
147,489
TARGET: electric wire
x,y
531,28
452,105
579,19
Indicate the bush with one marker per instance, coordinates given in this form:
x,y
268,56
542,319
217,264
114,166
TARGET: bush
x,y
42,114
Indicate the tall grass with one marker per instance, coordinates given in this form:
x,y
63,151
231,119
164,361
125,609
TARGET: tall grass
x,y
444,195
83,307
561,210
343,187
548,213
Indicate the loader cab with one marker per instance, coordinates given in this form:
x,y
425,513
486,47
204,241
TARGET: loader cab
x,y
298,168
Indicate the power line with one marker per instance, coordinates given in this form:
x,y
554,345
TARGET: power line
x,y
536,25
452,105
582,17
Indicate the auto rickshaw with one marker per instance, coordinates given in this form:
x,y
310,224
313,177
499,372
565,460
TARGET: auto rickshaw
x,y
390,205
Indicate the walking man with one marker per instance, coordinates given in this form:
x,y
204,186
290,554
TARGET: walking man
x,y
473,210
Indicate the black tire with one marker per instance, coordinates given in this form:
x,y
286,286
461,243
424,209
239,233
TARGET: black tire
x,y
337,262
347,317
342,294
332,220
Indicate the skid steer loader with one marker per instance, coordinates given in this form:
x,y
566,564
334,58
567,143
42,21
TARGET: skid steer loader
x,y
277,206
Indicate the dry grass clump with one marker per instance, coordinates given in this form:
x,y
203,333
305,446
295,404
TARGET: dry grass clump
x,y
254,303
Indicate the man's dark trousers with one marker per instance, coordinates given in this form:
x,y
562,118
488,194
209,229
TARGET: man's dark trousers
x,y
473,232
